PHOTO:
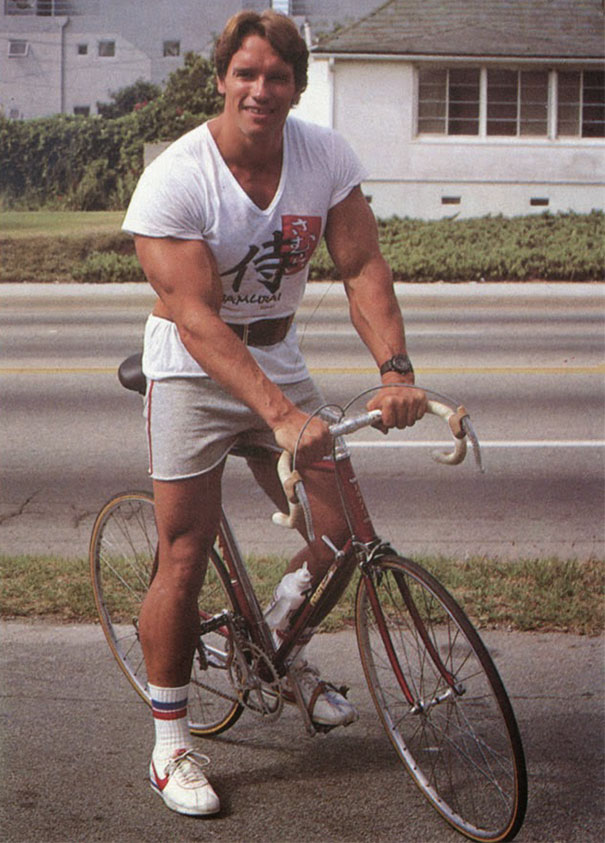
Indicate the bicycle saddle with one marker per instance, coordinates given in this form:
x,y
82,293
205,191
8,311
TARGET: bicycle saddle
x,y
130,373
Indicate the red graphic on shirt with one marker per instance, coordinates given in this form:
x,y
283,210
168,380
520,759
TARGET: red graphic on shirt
x,y
301,236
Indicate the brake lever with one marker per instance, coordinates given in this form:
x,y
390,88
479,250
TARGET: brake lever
x,y
470,432
298,503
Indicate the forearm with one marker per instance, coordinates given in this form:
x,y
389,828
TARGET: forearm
x,y
375,312
229,362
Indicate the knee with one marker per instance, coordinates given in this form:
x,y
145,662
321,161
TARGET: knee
x,y
183,561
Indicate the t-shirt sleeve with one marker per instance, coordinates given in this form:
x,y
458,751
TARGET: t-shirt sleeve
x,y
167,202
347,169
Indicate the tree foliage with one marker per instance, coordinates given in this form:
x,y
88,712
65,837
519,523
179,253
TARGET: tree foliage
x,y
192,87
93,163
128,99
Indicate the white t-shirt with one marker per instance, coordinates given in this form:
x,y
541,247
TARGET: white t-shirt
x,y
263,255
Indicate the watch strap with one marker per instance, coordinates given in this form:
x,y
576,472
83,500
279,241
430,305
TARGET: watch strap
x,y
399,363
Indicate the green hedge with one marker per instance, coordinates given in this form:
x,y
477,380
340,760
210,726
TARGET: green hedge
x,y
79,163
562,247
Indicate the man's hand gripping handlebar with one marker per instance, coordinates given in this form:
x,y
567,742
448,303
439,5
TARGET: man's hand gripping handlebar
x,y
299,515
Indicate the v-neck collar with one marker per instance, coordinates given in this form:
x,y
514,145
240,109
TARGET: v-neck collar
x,y
282,179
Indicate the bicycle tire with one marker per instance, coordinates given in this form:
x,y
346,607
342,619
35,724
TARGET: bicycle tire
x,y
464,751
122,552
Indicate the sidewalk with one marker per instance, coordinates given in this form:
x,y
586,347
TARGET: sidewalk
x,y
319,289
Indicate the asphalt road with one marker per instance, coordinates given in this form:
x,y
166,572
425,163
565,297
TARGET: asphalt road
x,y
74,738
76,741
527,362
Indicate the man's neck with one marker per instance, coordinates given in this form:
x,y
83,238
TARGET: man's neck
x,y
254,154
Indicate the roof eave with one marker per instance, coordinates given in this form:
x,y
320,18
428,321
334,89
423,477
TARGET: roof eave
x,y
457,57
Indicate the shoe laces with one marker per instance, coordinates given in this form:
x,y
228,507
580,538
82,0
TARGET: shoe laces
x,y
188,764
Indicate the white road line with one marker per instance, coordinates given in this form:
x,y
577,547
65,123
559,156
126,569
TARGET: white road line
x,y
521,443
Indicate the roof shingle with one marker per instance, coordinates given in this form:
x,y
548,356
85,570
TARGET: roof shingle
x,y
522,28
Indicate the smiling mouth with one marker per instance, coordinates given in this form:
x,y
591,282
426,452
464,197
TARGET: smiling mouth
x,y
262,112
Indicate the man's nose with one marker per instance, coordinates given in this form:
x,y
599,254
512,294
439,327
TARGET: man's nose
x,y
259,88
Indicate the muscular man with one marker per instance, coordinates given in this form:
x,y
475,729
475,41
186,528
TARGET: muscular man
x,y
225,223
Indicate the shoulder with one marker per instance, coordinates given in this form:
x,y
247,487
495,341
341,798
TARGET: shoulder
x,y
311,132
319,140
185,152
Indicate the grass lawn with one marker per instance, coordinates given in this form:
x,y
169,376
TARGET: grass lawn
x,y
25,224
546,595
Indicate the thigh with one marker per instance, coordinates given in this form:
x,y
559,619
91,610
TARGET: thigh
x,y
322,492
326,506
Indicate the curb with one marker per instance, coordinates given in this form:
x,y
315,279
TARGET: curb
x,y
439,289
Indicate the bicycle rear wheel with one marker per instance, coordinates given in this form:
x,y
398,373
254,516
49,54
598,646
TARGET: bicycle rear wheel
x,y
122,554
441,700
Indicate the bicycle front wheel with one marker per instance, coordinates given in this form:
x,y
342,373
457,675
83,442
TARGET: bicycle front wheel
x,y
441,700
122,557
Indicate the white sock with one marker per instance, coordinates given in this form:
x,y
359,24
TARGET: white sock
x,y
169,707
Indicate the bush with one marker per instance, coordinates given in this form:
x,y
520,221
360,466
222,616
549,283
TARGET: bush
x,y
553,247
108,268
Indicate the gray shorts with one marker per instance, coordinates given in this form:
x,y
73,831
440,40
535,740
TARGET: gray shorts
x,y
192,423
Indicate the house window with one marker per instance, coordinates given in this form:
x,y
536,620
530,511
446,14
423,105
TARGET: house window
x,y
82,110
20,7
448,101
517,102
17,48
107,49
82,49
507,103
172,48
282,6
581,103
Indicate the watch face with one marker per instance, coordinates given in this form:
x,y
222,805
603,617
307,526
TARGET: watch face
x,y
401,363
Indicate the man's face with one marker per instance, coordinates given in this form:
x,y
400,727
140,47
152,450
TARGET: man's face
x,y
258,87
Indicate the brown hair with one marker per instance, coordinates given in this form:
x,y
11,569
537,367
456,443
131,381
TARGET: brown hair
x,y
281,33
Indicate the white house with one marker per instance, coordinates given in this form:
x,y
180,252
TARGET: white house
x,y
470,107
64,56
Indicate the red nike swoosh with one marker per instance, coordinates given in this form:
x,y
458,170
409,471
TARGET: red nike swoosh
x,y
160,783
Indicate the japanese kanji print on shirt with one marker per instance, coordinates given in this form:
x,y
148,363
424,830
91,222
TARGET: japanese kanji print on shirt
x,y
287,253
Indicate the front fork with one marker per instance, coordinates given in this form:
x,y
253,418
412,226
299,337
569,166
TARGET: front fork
x,y
373,575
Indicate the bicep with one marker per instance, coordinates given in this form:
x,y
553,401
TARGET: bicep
x,y
180,272
352,235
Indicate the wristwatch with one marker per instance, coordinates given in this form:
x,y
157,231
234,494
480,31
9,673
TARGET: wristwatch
x,y
399,363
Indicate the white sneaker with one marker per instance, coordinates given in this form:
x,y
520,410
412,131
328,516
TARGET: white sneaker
x,y
183,786
326,705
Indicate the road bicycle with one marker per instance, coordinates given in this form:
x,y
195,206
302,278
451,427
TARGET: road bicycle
x,y
435,687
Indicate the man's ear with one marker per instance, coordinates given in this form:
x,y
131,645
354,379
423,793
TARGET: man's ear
x,y
220,86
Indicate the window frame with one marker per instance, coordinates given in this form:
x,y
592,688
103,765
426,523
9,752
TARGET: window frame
x,y
552,120
166,46
106,42
18,48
